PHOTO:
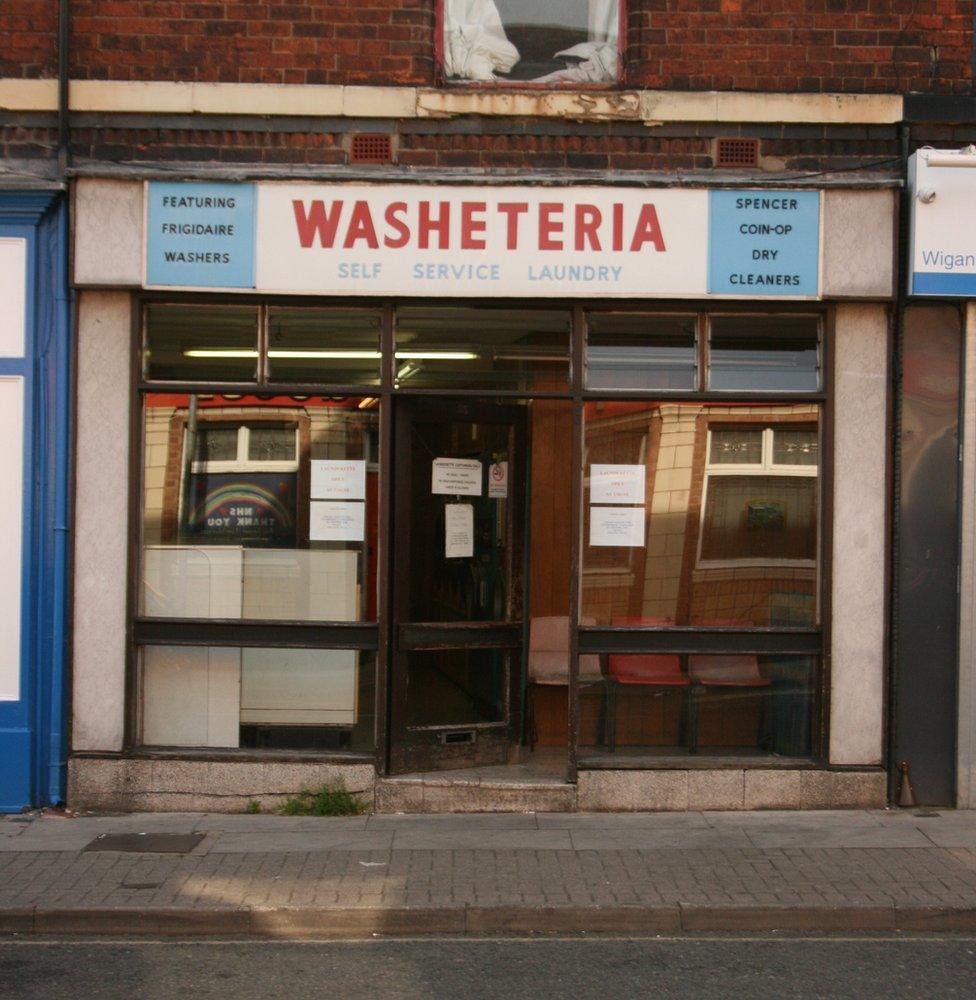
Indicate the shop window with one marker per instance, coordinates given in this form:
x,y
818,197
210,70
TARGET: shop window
x,y
701,514
259,507
640,351
256,697
573,43
455,347
764,353
341,346
190,343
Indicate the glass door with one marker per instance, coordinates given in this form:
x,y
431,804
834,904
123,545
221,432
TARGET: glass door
x,y
459,528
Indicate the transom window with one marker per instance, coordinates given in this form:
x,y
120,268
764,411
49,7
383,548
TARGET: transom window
x,y
571,43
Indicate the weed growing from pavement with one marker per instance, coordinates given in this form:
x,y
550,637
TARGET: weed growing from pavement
x,y
329,800
253,806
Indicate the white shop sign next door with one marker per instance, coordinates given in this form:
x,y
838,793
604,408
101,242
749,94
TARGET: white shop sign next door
x,y
943,239
13,325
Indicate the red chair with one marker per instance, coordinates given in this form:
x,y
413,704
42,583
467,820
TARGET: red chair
x,y
722,670
657,670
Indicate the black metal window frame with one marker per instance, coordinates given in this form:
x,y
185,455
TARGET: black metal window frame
x,y
376,636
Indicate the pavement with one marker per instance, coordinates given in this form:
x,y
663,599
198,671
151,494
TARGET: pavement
x,y
492,873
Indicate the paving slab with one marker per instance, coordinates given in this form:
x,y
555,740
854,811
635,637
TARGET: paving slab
x,y
489,873
414,839
291,842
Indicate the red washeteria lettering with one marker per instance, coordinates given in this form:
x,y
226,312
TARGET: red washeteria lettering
x,y
466,225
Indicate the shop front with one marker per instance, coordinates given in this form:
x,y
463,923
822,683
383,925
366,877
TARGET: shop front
x,y
481,496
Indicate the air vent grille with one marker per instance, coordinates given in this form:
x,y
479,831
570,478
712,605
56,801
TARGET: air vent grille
x,y
371,149
737,153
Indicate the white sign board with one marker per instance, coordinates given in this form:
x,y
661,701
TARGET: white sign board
x,y
13,296
498,480
334,479
458,477
943,231
618,526
11,528
458,530
617,484
374,239
337,521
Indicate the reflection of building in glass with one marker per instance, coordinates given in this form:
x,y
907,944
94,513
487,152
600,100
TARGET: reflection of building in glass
x,y
731,513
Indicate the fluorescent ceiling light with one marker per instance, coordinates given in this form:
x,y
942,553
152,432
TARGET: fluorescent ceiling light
x,y
200,353
437,355
197,352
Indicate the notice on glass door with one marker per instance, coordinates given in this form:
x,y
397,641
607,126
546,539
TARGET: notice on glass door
x,y
617,526
338,479
616,484
458,530
337,521
456,477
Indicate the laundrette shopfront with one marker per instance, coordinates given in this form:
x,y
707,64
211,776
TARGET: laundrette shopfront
x,y
580,488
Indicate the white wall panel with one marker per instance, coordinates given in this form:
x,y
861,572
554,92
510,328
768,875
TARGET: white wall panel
x,y
11,530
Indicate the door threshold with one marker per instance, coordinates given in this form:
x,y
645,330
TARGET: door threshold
x,y
536,784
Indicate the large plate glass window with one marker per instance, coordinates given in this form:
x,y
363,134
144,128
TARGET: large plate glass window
x,y
259,507
572,43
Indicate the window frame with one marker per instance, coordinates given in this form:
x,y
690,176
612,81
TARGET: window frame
x,y
814,641
444,81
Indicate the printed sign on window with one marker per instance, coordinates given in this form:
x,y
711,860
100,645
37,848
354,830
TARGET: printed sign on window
x,y
338,479
616,484
458,530
498,480
617,526
337,521
459,477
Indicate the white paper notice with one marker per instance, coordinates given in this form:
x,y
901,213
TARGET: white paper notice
x,y
334,479
457,477
337,521
459,530
616,484
620,526
498,479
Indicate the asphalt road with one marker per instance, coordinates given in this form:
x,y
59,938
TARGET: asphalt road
x,y
581,967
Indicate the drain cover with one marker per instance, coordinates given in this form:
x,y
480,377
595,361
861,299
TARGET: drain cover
x,y
146,843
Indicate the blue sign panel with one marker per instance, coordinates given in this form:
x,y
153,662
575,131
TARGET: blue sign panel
x,y
764,243
200,235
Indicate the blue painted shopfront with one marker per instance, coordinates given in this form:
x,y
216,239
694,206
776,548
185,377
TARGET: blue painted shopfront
x,y
35,372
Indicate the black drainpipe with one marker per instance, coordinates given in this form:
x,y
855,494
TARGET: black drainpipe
x,y
64,135
901,299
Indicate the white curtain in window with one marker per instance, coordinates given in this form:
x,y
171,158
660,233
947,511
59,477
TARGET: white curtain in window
x,y
595,60
475,43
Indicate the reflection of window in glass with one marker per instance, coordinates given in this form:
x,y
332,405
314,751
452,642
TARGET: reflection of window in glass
x,y
640,351
760,496
244,529
572,42
764,353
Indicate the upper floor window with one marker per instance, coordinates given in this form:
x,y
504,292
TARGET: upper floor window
x,y
574,42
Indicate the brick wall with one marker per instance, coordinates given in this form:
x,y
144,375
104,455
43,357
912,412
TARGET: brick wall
x,y
28,38
807,45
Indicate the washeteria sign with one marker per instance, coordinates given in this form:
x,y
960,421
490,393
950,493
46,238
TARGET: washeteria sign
x,y
424,240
